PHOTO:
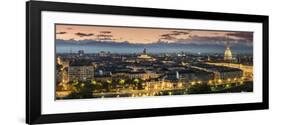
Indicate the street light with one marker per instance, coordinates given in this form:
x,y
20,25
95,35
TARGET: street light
x,y
228,80
193,83
220,81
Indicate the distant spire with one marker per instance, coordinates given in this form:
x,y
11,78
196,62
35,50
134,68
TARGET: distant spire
x,y
209,59
227,52
227,41
144,51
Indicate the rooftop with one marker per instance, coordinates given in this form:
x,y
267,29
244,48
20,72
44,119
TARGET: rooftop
x,y
217,68
80,63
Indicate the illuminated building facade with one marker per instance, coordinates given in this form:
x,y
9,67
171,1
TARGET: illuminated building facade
x,y
145,57
81,71
221,72
136,75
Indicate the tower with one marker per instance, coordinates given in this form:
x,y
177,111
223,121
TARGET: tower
x,y
209,58
81,52
144,51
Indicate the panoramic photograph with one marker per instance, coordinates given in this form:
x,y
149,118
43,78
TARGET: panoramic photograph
x,y
95,61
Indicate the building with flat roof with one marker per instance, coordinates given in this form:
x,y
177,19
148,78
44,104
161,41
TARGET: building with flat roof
x,y
221,72
190,75
81,70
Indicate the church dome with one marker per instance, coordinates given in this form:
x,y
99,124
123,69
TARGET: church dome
x,y
227,54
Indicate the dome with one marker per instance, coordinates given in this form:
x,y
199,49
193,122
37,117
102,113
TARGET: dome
x,y
227,54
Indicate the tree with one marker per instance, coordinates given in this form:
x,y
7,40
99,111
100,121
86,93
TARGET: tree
x,y
84,90
122,82
138,83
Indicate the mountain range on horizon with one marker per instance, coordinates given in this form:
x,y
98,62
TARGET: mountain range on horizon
x,y
92,46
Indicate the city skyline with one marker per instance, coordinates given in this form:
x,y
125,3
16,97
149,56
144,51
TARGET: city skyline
x,y
113,62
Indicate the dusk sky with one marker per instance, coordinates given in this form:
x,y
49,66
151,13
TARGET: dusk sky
x,y
135,35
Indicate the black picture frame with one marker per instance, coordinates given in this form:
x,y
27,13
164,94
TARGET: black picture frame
x,y
33,61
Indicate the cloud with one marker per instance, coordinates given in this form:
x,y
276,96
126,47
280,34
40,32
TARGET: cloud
x,y
172,35
84,34
105,32
176,33
210,38
61,32
247,36
216,38
233,39
239,38
167,37
105,36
